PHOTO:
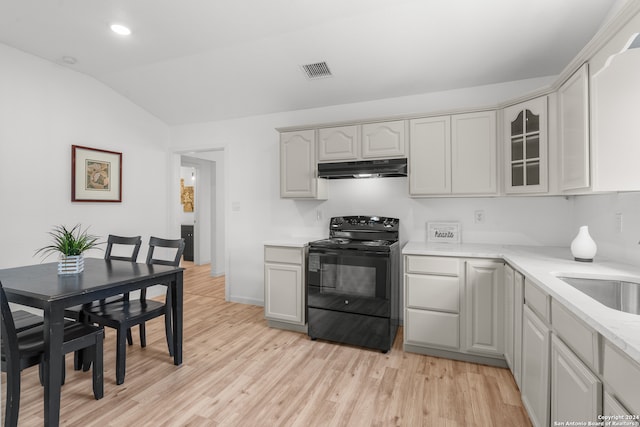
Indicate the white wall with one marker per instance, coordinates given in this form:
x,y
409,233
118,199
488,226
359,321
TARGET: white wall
x,y
255,212
217,210
44,109
599,211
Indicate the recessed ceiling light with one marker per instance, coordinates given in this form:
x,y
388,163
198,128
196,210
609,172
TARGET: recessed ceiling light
x,y
120,29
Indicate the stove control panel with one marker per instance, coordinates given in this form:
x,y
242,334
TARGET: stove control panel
x,y
364,222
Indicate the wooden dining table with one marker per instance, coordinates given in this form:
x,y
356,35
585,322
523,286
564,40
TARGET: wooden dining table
x,y
41,287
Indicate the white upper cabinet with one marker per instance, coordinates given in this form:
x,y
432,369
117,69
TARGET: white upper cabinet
x,y
362,141
473,153
573,105
453,155
338,143
615,89
298,170
384,139
430,160
525,138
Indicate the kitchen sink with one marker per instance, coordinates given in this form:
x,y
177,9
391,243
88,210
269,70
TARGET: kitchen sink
x,y
617,294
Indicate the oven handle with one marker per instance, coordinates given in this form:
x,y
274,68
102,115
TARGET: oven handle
x,y
346,252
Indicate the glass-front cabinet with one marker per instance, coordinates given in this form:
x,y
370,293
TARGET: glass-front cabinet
x,y
525,130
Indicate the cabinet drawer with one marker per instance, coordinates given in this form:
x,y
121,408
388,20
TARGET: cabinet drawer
x,y
582,340
536,299
433,292
283,254
424,327
433,265
623,375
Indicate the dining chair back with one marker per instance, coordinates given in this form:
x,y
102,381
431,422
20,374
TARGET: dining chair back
x,y
157,242
24,320
21,350
122,245
133,243
178,245
124,314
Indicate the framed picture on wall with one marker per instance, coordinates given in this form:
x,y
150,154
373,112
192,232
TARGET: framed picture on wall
x,y
96,175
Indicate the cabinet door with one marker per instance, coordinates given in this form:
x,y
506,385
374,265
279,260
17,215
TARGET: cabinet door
x,y
508,315
612,408
386,139
338,143
614,111
518,302
576,393
473,153
283,299
484,307
298,165
430,159
535,368
525,130
573,100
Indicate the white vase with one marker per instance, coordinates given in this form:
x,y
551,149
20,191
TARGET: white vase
x,y
73,264
583,248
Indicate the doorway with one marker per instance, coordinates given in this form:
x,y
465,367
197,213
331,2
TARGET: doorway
x,y
204,171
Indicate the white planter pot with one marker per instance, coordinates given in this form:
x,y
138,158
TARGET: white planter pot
x,y
71,264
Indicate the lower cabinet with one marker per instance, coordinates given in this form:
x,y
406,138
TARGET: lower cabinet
x,y
484,307
576,393
186,232
536,338
622,376
509,312
284,286
454,308
612,410
481,310
432,292
518,302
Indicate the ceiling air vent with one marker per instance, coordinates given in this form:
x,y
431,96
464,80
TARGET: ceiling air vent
x,y
318,70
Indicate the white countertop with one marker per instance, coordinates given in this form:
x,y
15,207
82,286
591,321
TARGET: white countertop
x,y
541,265
292,242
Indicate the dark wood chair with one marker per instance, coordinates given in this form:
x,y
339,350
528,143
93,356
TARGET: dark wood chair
x,y
21,350
24,320
124,314
132,245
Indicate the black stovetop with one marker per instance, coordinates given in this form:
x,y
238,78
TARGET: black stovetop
x,y
361,232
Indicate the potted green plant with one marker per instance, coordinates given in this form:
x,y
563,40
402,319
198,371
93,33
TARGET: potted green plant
x,y
70,244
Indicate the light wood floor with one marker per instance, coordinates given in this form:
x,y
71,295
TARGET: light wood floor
x,y
239,372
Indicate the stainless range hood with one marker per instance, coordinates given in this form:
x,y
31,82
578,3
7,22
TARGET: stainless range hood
x,y
363,169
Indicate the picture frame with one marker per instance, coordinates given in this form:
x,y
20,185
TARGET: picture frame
x,y
443,232
96,175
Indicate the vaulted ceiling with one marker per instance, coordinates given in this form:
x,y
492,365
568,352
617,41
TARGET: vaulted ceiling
x,y
191,61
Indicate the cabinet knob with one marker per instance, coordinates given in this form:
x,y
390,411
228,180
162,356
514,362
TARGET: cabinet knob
x,y
346,301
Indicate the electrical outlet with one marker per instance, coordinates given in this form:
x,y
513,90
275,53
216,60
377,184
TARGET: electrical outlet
x,y
478,217
619,222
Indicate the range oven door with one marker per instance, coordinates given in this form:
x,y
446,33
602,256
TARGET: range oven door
x,y
351,281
